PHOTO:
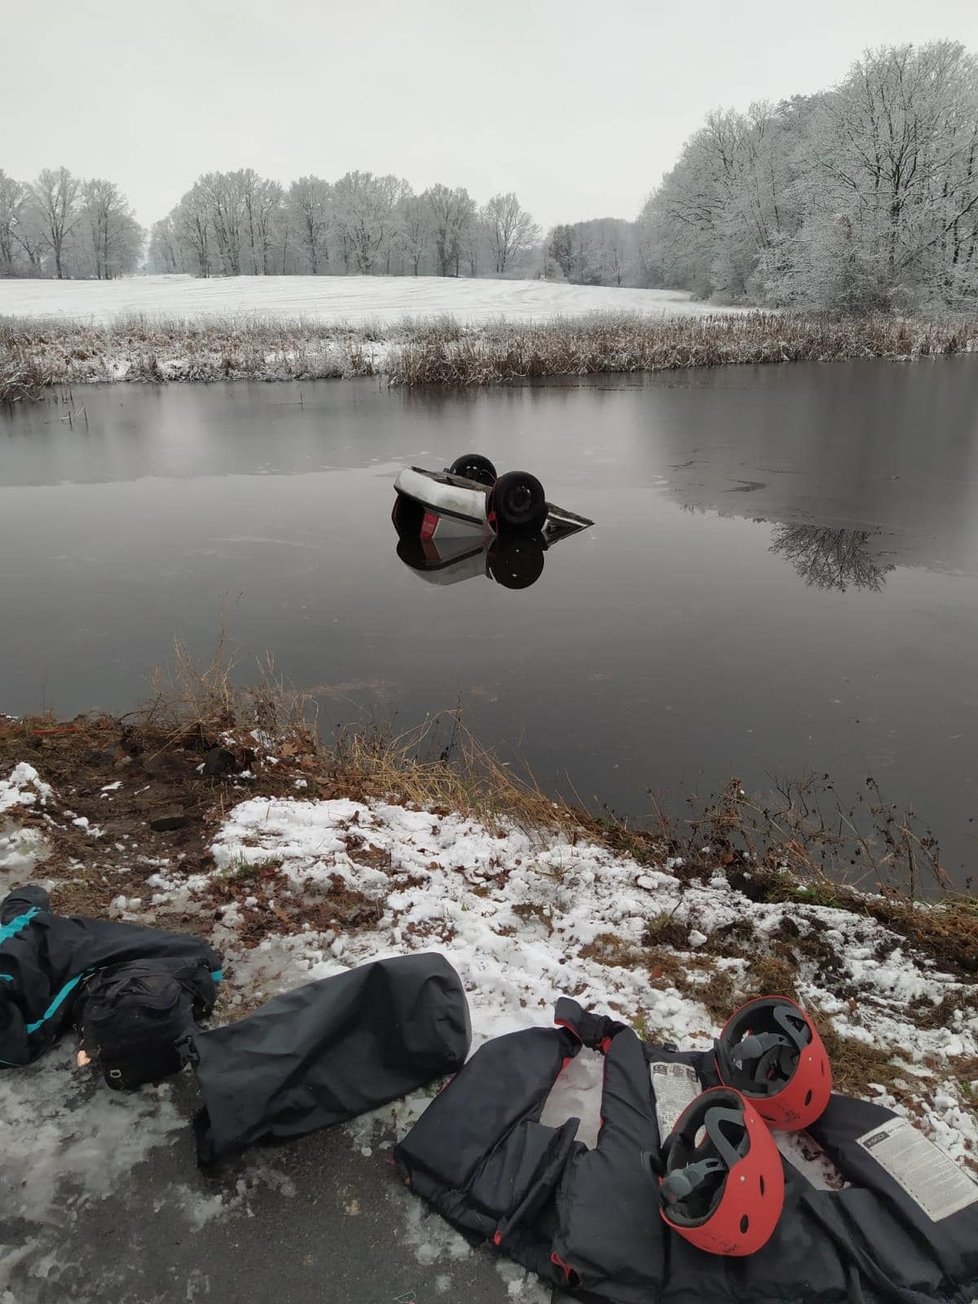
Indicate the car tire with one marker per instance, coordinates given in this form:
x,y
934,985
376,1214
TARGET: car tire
x,y
516,562
473,466
517,503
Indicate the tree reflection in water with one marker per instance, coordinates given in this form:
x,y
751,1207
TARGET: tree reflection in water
x,y
831,559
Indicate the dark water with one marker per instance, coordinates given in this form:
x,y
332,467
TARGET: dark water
x,y
783,576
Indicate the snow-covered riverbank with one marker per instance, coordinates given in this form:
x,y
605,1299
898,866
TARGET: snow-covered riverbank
x,y
296,888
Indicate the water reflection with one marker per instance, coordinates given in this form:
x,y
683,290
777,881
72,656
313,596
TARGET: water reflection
x,y
513,563
832,559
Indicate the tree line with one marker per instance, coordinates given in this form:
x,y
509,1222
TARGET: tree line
x,y
234,223
861,198
64,226
240,223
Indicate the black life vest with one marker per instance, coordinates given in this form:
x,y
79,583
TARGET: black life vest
x,y
587,1220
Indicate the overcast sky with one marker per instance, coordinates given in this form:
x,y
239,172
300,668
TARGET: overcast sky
x,y
578,107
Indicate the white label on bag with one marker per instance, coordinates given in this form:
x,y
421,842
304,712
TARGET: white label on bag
x,y
674,1086
929,1176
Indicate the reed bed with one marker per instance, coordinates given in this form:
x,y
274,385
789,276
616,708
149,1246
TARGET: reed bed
x,y
632,344
36,354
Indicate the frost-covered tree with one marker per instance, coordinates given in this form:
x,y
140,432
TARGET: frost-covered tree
x,y
601,251
727,200
571,247
165,253
864,197
13,201
191,221
56,193
892,205
309,207
263,205
223,195
452,213
416,229
510,230
365,207
111,244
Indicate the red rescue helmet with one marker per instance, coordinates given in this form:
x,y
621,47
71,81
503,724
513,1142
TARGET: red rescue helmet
x,y
724,1194
770,1052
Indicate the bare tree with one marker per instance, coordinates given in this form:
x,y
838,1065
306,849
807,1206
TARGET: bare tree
x,y
365,208
165,253
13,199
452,213
192,224
114,237
571,246
416,225
310,205
223,194
56,193
510,228
262,204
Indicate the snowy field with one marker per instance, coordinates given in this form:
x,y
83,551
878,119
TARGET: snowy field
x,y
350,300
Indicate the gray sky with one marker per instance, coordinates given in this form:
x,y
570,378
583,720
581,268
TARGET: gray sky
x,y
578,107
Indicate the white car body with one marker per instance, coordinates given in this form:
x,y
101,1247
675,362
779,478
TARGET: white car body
x,y
454,507
459,505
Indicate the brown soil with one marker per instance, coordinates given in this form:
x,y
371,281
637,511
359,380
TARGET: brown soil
x,y
157,776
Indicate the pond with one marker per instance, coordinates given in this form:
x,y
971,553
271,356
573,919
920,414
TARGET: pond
x,y
782,577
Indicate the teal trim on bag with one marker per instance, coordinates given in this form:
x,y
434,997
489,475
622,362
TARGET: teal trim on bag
x,y
217,975
56,1004
6,977
15,925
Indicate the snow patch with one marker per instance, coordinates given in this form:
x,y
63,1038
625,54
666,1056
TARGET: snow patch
x,y
24,787
65,1138
525,919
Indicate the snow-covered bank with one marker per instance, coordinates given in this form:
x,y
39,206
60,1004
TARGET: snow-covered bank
x,y
347,300
37,353
299,887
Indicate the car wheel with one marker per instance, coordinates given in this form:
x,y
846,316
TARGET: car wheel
x,y
517,502
473,466
516,562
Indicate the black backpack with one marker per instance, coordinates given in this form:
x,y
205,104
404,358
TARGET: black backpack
x,y
135,1018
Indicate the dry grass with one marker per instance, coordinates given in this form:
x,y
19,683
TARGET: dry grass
x,y
139,349
440,766
35,353
624,344
201,705
23,375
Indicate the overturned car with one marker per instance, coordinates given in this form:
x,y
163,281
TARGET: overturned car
x,y
468,520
